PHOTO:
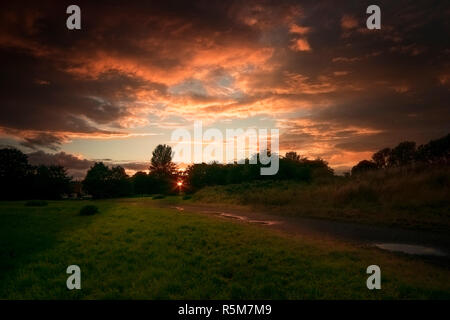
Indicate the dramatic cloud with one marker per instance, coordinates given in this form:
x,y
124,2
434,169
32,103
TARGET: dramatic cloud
x,y
335,89
76,165
60,159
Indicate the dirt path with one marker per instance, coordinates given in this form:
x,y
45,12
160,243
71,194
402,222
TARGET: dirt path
x,y
430,245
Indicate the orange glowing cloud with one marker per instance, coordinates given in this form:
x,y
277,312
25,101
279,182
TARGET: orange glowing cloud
x,y
300,44
332,87
348,22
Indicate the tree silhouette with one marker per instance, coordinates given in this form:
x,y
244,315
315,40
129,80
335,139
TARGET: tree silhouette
x,y
403,154
161,162
381,158
103,182
20,180
435,151
50,182
15,173
292,155
96,181
140,183
363,166
119,182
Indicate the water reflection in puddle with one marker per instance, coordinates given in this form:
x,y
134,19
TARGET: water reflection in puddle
x,y
232,216
410,249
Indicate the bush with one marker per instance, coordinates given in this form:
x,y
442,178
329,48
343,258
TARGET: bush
x,y
88,210
187,197
158,196
36,203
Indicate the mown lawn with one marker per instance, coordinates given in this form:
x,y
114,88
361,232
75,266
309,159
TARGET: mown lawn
x,y
134,250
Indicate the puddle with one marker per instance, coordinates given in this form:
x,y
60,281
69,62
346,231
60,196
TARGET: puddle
x,y
410,249
232,216
268,223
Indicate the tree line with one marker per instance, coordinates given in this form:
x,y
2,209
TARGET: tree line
x,y
291,167
104,182
163,176
435,152
20,180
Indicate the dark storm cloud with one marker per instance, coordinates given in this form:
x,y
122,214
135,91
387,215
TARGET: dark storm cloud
x,y
312,64
393,82
77,167
401,116
42,140
61,159
37,96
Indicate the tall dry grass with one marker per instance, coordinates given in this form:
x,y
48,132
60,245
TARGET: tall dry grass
x,y
413,197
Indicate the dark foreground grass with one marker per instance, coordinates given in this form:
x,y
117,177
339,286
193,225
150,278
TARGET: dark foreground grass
x,y
134,250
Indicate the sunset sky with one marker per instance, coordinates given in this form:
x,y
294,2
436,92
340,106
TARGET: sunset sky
x,y
138,70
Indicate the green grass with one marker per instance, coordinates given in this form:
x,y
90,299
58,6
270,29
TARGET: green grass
x,y
132,249
418,199
36,203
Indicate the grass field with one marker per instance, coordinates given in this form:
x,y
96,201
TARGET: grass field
x,y
404,197
135,250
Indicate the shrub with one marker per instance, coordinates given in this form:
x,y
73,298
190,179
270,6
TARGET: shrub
x,y
36,203
88,210
158,196
187,197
